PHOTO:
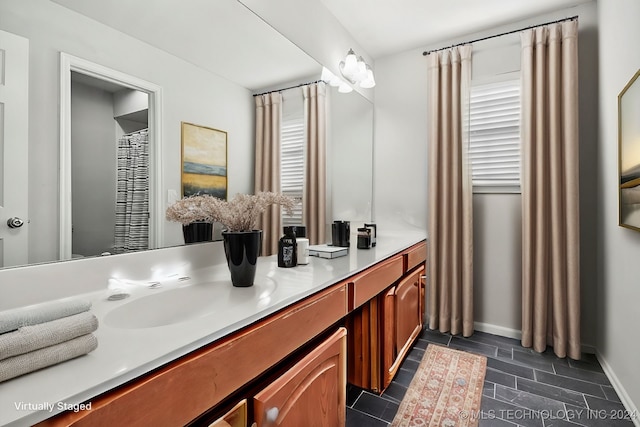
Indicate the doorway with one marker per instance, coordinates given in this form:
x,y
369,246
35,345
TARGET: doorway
x,y
77,235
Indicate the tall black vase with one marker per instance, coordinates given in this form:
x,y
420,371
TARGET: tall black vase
x,y
198,231
242,249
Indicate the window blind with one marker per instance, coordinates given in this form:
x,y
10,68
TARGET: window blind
x,y
494,136
292,161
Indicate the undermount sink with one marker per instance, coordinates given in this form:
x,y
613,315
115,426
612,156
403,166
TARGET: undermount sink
x,y
167,307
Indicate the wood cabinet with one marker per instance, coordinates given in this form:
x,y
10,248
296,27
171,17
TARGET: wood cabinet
x,y
276,364
188,387
311,393
386,318
402,319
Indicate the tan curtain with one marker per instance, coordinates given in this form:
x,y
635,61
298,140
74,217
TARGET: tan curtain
x,y
267,168
450,193
550,255
314,199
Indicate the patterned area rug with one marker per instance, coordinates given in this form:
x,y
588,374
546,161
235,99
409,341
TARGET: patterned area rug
x,y
445,391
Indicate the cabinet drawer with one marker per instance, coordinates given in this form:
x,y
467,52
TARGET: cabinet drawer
x,y
415,255
186,388
368,284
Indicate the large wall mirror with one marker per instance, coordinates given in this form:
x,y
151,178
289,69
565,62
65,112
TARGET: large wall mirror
x,y
206,58
629,153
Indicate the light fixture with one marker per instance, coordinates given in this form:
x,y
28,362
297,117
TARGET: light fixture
x,y
335,81
357,71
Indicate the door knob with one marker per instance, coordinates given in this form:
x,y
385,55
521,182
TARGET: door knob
x,y
15,222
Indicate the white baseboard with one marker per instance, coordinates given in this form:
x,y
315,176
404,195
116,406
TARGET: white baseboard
x,y
631,408
516,334
497,330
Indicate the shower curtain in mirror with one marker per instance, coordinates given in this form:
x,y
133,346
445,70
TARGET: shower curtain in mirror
x,y
132,193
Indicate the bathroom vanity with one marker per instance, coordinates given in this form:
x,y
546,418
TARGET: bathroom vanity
x,y
285,346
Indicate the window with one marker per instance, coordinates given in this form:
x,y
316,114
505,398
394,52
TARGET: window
x,y
494,137
292,159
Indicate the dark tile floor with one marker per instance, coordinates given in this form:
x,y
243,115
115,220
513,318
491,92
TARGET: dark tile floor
x,y
522,387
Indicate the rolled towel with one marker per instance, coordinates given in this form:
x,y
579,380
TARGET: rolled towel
x,y
38,359
34,337
11,320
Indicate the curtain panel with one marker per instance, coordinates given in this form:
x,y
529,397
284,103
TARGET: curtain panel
x,y
267,167
450,223
315,182
550,233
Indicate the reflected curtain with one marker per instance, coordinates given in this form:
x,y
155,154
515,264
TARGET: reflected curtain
x,y
267,167
550,260
450,192
132,193
314,198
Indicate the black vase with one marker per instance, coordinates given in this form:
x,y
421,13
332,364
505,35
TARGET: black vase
x,y
242,249
197,232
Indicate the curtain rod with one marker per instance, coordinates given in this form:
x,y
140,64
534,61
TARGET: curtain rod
x,y
425,53
290,87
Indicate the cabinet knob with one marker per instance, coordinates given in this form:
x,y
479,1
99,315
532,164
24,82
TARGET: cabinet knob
x,y
272,415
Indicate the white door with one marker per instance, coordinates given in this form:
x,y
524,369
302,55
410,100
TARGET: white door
x,y
14,149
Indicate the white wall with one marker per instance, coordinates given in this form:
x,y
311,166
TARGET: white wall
x,y
618,269
310,25
93,172
189,94
350,163
127,101
400,160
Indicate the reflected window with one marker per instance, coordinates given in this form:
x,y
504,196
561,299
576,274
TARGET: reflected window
x,y
292,155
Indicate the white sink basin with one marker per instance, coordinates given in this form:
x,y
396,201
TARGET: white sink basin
x,y
167,307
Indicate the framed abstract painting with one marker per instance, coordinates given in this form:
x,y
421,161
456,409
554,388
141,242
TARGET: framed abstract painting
x,y
204,161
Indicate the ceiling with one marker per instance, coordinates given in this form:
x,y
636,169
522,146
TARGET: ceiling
x,y
225,37
221,36
383,27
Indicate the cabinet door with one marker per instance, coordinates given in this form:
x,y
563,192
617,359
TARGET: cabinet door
x,y
403,321
311,393
408,317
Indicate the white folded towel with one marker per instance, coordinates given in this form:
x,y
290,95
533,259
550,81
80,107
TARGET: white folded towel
x,y
38,359
10,320
34,337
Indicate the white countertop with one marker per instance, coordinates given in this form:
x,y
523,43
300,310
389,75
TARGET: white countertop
x,y
125,353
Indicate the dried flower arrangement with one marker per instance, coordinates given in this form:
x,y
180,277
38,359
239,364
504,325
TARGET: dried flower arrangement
x,y
241,213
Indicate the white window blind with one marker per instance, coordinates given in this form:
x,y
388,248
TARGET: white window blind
x,y
494,136
292,160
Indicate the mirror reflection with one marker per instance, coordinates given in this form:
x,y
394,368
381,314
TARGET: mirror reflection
x,y
202,78
629,154
109,167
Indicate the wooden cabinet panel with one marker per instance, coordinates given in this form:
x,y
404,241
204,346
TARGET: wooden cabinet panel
x,y
407,308
370,283
311,393
385,318
363,359
415,255
186,388
236,417
402,317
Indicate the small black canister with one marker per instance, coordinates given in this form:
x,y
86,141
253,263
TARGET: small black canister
x,y
364,238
